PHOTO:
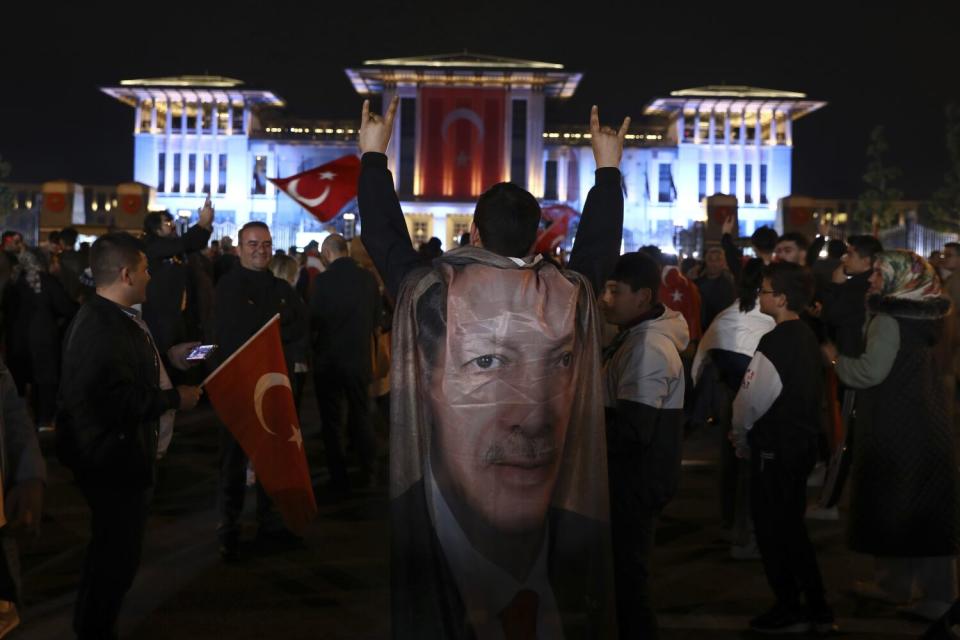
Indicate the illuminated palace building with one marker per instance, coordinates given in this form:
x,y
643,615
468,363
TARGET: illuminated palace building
x,y
465,122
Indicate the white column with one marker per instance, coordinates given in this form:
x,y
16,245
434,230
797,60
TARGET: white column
x,y
758,144
229,118
713,128
680,124
246,119
726,127
740,161
215,118
153,117
773,128
696,127
136,116
168,125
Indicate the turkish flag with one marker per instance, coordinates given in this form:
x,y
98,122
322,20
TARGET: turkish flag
x,y
131,204
462,144
251,394
683,296
324,190
556,221
55,202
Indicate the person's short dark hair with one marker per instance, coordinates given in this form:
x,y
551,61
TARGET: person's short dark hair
x,y
865,246
652,251
214,243
507,218
154,220
796,238
793,281
836,248
10,234
111,253
464,238
53,237
292,250
953,245
253,224
638,270
69,235
751,279
764,239
687,264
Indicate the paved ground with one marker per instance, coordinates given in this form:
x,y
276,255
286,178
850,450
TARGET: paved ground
x,y
338,587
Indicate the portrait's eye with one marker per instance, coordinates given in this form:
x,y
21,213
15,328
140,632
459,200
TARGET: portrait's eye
x,y
488,361
566,359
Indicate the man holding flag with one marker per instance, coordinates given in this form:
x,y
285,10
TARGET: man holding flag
x,y
247,298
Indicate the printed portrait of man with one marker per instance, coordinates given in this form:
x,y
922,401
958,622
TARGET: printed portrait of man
x,y
500,501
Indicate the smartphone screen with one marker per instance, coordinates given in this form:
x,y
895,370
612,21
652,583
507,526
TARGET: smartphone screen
x,y
201,352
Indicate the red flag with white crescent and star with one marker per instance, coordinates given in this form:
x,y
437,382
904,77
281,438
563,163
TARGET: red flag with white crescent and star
x,y
324,190
251,394
677,292
555,223
462,140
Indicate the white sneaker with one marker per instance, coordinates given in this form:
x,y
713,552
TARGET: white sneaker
x,y
823,513
748,551
818,476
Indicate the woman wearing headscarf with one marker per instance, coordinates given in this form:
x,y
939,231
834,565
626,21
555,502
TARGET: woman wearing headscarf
x,y
904,489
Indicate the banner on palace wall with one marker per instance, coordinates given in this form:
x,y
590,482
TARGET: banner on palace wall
x,y
462,141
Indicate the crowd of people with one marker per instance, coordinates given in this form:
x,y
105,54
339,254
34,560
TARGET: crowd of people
x,y
537,405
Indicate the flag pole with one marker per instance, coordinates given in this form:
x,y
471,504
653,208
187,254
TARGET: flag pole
x,y
235,353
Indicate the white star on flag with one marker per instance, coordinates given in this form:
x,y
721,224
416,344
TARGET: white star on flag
x,y
296,437
328,175
677,296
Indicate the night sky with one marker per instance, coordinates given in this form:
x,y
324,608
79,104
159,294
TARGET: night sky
x,y
896,67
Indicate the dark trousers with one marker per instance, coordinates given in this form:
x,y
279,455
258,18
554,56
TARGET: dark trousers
x,y
118,523
632,529
778,500
334,388
233,488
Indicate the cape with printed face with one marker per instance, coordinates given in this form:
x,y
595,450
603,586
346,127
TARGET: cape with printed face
x,y
498,458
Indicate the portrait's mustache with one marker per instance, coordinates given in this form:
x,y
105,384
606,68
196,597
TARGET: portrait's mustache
x,y
520,449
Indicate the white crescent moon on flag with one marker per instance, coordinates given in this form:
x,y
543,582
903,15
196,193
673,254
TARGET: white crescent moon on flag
x,y
267,381
307,202
462,114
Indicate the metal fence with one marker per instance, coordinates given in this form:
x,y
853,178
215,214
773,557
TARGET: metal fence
x,y
915,237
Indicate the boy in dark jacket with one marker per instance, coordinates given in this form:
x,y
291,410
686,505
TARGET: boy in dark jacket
x,y
776,420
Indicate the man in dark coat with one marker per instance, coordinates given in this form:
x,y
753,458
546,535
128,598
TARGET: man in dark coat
x,y
246,298
169,274
498,473
345,309
107,427
844,310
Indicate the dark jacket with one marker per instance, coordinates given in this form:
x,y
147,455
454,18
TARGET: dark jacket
x,y
905,499
844,312
245,300
110,398
166,259
36,321
345,310
716,294
72,264
427,604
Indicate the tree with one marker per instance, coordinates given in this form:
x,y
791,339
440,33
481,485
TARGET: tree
x,y
876,206
943,212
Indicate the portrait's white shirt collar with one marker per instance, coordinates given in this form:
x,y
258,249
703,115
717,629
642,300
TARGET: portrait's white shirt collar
x,y
485,588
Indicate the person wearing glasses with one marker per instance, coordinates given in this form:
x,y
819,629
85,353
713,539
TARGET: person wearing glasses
x,y
776,420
